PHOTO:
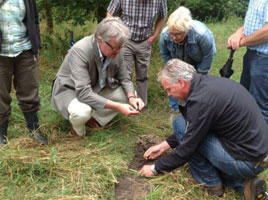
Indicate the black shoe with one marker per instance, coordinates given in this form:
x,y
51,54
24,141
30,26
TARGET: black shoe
x,y
33,126
3,133
255,189
39,137
2,140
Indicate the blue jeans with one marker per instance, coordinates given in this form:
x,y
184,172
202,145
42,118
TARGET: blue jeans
x,y
173,104
255,78
212,165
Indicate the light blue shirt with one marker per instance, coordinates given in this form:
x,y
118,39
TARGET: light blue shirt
x,y
199,50
103,72
14,33
256,18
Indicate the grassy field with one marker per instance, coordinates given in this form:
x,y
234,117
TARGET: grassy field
x,y
88,168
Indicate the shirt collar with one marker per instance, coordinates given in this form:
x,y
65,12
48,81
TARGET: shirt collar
x,y
194,84
190,36
100,53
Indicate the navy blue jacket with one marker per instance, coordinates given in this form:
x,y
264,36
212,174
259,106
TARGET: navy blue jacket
x,y
224,108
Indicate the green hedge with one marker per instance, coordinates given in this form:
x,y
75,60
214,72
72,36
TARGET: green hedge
x,y
211,9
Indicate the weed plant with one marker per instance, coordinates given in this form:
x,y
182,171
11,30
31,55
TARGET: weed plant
x,y
88,168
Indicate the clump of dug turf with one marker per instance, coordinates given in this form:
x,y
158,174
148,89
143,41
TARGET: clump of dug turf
x,y
131,187
143,143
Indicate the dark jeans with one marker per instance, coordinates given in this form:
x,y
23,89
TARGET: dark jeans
x,y
212,165
173,104
24,72
255,78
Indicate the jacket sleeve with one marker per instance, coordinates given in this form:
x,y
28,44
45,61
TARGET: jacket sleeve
x,y
37,24
199,123
208,50
165,53
82,81
172,141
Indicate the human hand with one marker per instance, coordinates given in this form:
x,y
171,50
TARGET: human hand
x,y
127,110
151,40
146,171
137,103
156,150
234,40
153,152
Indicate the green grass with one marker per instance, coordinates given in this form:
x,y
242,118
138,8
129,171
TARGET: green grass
x,y
87,168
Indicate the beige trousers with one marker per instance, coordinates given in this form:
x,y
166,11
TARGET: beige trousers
x,y
80,113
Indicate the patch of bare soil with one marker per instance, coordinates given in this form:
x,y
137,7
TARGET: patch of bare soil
x,y
131,187
143,143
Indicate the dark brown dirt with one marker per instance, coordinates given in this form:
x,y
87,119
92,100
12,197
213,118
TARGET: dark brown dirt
x,y
143,143
131,187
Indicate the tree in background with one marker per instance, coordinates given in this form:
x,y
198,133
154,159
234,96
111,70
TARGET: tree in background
x,y
80,11
211,9
68,10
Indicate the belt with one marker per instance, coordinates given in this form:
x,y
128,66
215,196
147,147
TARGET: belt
x,y
263,163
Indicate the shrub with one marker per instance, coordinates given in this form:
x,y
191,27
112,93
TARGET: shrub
x,y
211,9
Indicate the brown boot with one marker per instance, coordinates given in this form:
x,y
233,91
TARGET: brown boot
x,y
92,123
255,189
217,191
74,132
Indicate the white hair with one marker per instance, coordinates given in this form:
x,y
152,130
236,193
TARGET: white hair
x,y
112,27
180,20
175,69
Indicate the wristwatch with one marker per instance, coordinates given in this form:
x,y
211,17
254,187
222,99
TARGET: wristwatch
x,y
152,168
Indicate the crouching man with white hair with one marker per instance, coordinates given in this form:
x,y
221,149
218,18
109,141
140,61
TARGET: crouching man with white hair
x,y
92,85
221,133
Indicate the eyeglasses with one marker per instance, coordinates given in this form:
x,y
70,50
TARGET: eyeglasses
x,y
114,48
178,34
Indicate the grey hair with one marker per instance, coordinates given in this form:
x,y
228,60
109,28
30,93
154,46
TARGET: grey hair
x,y
175,69
112,27
180,20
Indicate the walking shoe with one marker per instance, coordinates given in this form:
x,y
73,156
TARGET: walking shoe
x,y
74,132
39,137
93,123
3,133
33,126
255,189
2,140
217,191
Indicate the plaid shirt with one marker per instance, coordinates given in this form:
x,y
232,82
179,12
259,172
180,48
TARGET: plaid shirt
x,y
138,15
14,33
256,18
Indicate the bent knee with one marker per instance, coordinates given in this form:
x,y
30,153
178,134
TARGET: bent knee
x,y
79,111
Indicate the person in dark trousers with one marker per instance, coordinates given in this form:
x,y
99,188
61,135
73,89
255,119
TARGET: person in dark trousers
x,y
19,46
254,35
221,133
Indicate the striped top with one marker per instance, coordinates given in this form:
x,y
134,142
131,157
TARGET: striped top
x,y
256,18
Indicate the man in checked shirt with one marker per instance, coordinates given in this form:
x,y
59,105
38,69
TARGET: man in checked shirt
x,y
254,35
139,16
